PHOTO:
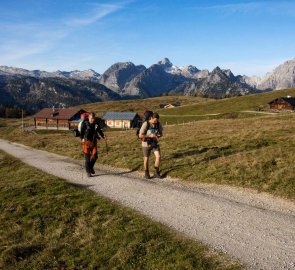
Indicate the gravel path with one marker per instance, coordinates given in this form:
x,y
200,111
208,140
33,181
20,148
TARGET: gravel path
x,y
257,229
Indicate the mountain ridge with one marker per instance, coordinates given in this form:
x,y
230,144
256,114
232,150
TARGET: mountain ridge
x,y
124,80
33,94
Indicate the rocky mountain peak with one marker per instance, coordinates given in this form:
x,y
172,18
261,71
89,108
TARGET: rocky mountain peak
x,y
191,69
217,70
165,62
119,75
119,65
281,77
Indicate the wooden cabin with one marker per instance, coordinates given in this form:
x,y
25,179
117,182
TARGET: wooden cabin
x,y
57,119
121,119
283,103
169,105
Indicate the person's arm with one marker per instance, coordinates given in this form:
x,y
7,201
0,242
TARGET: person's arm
x,y
100,132
142,131
160,131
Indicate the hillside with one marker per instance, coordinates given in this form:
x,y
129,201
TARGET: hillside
x,y
191,107
234,104
139,105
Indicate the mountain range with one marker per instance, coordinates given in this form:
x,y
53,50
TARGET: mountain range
x,y
76,74
35,89
282,77
33,94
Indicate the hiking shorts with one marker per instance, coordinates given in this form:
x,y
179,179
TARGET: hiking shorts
x,y
147,150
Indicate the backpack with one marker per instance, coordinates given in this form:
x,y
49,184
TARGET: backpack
x,y
83,117
146,115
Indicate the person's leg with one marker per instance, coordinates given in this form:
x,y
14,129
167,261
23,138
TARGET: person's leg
x,y
146,154
92,162
157,154
87,164
158,159
146,163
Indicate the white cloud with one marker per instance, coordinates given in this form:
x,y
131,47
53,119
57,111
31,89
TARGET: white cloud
x,y
100,11
279,7
25,40
20,41
238,7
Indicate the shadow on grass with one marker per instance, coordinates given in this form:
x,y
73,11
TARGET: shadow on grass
x,y
164,174
197,151
220,153
21,252
217,153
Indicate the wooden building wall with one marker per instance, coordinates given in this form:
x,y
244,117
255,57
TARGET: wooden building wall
x,y
118,123
43,123
280,105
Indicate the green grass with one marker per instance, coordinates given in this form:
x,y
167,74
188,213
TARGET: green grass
x,y
139,105
183,119
193,108
47,223
235,104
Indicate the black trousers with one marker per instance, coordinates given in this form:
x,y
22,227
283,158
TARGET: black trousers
x,y
89,162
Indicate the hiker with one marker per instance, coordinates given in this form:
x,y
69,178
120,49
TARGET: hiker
x,y
89,136
149,133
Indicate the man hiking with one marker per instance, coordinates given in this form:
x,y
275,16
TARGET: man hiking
x,y
149,133
89,136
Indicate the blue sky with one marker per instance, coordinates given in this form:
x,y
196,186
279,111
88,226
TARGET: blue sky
x,y
249,37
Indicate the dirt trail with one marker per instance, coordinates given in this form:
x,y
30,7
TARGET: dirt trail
x,y
257,229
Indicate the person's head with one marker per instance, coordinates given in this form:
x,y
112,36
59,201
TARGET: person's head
x,y
154,118
91,118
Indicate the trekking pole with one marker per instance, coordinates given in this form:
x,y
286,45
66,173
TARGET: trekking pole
x,y
82,166
106,144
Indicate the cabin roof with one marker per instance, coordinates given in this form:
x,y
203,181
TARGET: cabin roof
x,y
63,113
290,100
119,116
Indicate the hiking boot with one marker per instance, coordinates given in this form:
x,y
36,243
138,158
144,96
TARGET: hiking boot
x,y
157,174
147,175
88,174
92,171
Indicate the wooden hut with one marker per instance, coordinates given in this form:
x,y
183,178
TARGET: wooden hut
x,y
59,119
282,103
121,119
169,105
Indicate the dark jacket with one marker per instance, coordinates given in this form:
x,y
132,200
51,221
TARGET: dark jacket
x,y
91,131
